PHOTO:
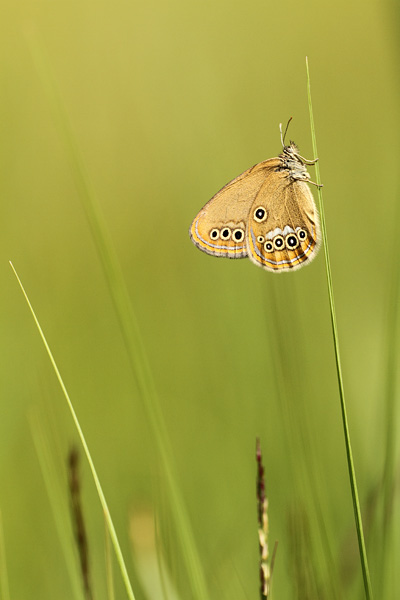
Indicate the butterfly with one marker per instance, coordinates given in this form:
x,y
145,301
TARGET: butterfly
x,y
267,214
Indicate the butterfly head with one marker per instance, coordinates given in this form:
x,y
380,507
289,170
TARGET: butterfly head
x,y
291,151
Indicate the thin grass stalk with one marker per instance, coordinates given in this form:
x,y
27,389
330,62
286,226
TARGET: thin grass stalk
x,y
349,455
305,473
50,468
5,592
109,566
103,501
392,361
263,527
78,520
128,324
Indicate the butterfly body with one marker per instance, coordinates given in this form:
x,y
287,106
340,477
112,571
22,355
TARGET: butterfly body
x,y
267,214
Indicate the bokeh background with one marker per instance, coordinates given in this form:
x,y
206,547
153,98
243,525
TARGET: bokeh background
x,y
167,101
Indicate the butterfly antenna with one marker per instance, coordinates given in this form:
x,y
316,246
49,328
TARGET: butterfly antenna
x,y
284,135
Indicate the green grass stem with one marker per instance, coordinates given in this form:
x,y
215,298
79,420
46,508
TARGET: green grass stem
x,y
128,324
390,407
109,566
349,455
5,592
46,453
103,501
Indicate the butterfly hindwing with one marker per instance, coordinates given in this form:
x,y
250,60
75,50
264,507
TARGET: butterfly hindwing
x,y
283,227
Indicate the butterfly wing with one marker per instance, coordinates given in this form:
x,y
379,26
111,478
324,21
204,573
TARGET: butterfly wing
x,y
221,225
283,229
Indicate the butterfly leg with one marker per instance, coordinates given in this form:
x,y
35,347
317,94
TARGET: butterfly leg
x,y
308,162
318,185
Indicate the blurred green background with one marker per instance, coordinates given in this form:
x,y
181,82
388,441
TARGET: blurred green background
x,y
167,102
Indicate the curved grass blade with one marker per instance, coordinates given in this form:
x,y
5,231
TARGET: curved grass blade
x,y
100,492
5,592
128,324
349,455
48,455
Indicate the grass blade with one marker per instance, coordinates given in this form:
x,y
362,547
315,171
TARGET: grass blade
x,y
78,521
48,455
128,324
109,566
390,406
349,455
103,502
5,592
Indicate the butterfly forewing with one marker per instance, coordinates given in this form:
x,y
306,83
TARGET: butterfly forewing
x,y
220,228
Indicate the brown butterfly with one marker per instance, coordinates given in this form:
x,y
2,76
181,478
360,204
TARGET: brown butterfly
x,y
267,214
